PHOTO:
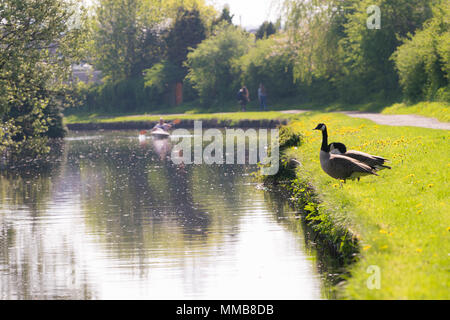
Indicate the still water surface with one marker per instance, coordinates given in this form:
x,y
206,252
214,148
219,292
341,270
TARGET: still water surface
x,y
113,218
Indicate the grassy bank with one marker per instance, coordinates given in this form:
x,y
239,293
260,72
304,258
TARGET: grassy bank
x,y
232,116
438,110
400,218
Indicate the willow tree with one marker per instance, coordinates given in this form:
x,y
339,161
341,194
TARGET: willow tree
x,y
315,28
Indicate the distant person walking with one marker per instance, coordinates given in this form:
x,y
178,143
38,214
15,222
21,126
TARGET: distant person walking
x,y
262,96
243,97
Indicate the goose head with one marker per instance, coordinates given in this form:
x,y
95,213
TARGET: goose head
x,y
321,126
338,148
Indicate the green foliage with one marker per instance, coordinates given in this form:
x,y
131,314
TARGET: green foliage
x,y
161,75
333,44
423,61
125,38
367,52
213,67
123,96
288,138
132,38
265,30
269,62
39,40
314,32
225,16
329,229
186,33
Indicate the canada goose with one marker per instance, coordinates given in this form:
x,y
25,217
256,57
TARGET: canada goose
x,y
339,166
371,160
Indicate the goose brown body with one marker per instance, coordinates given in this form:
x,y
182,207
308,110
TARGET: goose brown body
x,y
342,167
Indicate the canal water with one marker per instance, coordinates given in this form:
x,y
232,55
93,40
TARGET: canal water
x,y
111,217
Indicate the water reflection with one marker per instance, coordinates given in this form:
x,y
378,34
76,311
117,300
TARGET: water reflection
x,y
115,218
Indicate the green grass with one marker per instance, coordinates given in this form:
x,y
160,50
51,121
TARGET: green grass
x,y
234,116
438,110
401,218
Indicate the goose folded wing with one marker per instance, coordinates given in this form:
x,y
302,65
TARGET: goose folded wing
x,y
358,155
348,166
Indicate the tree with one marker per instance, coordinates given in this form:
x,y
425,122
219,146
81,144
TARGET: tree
x,y
335,46
39,40
186,33
213,66
423,60
127,37
315,29
265,30
367,52
225,16
268,62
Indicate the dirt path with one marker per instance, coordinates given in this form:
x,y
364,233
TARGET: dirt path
x,y
393,120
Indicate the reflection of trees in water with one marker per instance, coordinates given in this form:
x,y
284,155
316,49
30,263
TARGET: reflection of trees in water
x,y
139,196
137,204
133,187
29,184
34,253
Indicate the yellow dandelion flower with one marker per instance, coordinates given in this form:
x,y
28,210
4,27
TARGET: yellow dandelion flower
x,y
430,185
384,247
419,205
367,247
448,229
419,250
419,212
383,231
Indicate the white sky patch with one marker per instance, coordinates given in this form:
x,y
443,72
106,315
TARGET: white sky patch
x,y
249,13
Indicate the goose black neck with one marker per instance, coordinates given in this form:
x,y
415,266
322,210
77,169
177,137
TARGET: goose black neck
x,y
325,141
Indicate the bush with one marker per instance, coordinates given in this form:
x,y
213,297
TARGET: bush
x,y
269,62
423,61
213,69
124,96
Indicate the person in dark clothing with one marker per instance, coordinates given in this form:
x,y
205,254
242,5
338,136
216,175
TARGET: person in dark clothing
x,y
243,97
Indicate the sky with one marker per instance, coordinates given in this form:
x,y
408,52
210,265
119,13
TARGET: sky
x,y
252,12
